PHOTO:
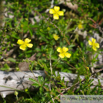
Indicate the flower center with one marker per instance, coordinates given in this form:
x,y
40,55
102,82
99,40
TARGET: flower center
x,y
56,12
25,44
93,44
62,51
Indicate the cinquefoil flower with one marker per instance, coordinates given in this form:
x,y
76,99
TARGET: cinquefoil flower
x,y
56,13
63,52
93,44
80,26
24,44
55,36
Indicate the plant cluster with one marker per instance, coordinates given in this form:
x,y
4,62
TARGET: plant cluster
x,y
54,37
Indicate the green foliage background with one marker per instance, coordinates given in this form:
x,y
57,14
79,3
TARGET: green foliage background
x,y
45,46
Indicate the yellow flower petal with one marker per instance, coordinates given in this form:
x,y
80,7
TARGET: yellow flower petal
x,y
56,16
61,55
65,49
27,40
29,45
61,13
59,49
80,26
68,55
89,42
51,11
20,42
55,36
93,40
97,45
94,48
22,47
56,8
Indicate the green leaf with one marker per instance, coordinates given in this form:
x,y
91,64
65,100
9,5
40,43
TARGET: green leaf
x,y
11,60
41,80
36,84
72,45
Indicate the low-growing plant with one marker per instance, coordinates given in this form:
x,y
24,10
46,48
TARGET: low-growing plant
x,y
50,32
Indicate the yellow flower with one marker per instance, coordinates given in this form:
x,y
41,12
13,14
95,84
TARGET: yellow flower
x,y
55,36
93,44
56,13
80,26
63,52
24,44
87,68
